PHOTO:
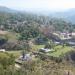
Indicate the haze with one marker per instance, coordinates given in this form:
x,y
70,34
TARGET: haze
x,y
39,5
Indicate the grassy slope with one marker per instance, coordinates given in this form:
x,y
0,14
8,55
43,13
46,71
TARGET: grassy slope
x,y
18,53
12,36
15,53
59,51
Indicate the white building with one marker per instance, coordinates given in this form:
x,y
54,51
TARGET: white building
x,y
26,57
45,50
2,50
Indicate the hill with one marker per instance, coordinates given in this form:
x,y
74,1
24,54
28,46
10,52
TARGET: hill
x,y
28,26
68,15
6,9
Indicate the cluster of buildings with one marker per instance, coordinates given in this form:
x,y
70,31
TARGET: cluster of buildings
x,y
2,50
65,37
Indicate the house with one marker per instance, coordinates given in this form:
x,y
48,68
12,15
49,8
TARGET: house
x,y
26,57
73,34
57,42
45,50
65,35
2,50
69,42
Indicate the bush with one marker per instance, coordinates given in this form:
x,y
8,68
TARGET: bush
x,y
6,59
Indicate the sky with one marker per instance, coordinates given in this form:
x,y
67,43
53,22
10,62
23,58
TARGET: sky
x,y
39,5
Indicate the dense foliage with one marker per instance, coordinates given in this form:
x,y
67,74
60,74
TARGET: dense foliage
x,y
23,22
30,26
24,30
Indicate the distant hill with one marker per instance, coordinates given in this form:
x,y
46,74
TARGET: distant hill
x,y
6,9
67,15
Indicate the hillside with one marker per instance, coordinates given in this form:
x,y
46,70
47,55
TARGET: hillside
x,y
6,9
29,26
68,15
34,44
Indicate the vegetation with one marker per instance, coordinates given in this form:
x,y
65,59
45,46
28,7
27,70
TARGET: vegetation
x,y
6,60
24,26
40,67
60,51
22,33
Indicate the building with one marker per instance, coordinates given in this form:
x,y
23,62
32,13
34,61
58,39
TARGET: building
x,y
45,50
26,57
2,50
70,42
73,34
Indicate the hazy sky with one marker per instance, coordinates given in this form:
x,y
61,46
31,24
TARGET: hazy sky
x,y
53,5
